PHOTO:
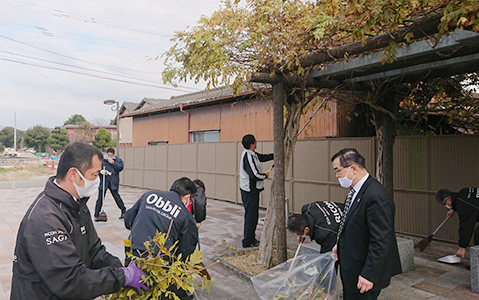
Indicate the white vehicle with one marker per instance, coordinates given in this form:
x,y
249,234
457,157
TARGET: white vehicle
x,y
10,152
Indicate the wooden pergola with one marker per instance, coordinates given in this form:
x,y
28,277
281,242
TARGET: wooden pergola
x,y
425,58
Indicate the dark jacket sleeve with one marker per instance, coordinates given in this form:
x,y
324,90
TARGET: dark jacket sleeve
x,y
265,157
130,215
188,238
55,257
199,202
118,164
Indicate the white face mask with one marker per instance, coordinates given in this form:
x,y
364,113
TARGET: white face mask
x,y
447,206
345,182
89,188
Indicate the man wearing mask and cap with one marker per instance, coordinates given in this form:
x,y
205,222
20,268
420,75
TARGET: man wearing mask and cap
x,y
366,247
111,167
58,254
466,203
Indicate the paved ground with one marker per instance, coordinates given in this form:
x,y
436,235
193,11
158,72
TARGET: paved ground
x,y
223,227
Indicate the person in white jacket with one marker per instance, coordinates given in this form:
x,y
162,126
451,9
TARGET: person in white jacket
x,y
251,184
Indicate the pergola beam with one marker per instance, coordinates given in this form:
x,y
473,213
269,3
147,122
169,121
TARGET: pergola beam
x,y
292,81
418,52
420,28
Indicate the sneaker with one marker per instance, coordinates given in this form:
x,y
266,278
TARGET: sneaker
x,y
101,217
255,244
122,216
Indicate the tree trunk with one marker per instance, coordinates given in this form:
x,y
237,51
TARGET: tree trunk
x,y
385,133
275,213
279,97
265,252
295,105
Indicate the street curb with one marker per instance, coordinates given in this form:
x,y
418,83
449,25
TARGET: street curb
x,y
236,269
219,257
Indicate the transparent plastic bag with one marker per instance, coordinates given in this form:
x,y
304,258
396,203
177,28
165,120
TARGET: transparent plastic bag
x,y
306,276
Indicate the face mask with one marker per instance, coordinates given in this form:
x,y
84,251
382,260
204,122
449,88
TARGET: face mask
x,y
448,207
345,182
89,188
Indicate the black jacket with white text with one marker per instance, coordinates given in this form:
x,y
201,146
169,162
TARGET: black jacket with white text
x,y
466,204
323,218
155,211
58,254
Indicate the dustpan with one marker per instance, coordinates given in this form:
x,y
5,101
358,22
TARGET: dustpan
x,y
450,259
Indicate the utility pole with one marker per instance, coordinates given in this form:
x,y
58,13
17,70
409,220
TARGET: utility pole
x,y
15,131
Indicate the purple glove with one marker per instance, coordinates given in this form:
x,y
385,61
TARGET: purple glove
x,y
133,277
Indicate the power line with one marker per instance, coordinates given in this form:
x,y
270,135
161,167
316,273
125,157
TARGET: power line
x,y
96,76
60,54
78,17
84,61
88,69
77,67
79,38
54,80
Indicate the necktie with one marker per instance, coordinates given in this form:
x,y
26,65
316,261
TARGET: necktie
x,y
345,211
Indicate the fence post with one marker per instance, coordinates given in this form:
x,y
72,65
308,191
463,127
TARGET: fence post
x,y
286,210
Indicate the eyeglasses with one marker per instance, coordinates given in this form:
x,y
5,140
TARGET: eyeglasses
x,y
339,170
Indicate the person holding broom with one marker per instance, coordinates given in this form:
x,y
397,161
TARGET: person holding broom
x,y
111,166
466,204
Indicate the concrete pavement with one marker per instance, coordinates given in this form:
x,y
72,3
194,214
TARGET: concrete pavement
x,y
222,228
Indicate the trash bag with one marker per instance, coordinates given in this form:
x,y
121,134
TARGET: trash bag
x,y
307,276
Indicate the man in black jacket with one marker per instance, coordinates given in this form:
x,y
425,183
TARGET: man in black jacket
x,y
164,212
466,203
58,254
110,174
320,221
367,248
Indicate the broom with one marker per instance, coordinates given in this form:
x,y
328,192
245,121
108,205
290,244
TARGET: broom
x,y
426,241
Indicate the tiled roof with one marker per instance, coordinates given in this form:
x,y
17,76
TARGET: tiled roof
x,y
151,104
129,106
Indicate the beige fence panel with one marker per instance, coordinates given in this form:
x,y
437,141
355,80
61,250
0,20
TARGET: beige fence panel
x,y
422,165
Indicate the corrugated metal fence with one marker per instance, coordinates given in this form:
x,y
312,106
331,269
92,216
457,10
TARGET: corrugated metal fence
x,y
422,165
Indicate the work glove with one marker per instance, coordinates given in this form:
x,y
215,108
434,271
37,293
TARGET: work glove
x,y
133,277
105,172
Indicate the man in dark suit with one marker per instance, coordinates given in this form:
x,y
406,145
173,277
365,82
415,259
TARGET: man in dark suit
x,y
366,247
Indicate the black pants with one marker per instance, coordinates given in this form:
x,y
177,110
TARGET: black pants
x,y
116,196
251,207
371,295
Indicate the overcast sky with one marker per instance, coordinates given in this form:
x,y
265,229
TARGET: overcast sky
x,y
64,57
